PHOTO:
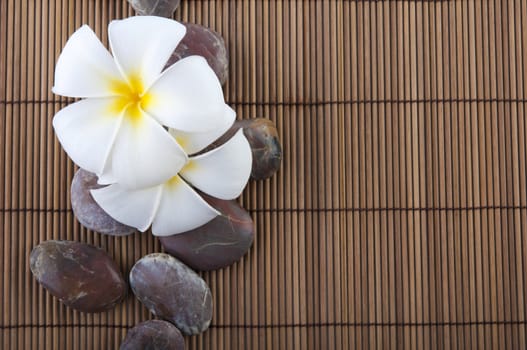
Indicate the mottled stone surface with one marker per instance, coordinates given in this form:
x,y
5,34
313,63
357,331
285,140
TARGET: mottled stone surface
x,y
88,212
153,335
173,292
265,145
202,41
81,276
161,8
219,243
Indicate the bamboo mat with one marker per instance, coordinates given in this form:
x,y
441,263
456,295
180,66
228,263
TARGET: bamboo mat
x,y
397,220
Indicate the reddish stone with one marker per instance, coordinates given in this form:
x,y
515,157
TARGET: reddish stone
x,y
219,243
81,276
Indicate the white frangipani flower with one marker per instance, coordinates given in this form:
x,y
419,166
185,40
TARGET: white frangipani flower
x,y
174,206
117,130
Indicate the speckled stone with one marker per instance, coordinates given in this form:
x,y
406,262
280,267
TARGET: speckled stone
x,y
265,145
202,41
153,335
219,243
173,292
88,212
81,276
161,8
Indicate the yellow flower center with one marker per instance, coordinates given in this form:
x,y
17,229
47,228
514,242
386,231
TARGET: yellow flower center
x,y
132,97
173,182
189,166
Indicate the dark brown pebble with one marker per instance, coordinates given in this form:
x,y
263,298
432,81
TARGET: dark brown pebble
x,y
81,276
153,335
219,243
88,212
205,42
173,292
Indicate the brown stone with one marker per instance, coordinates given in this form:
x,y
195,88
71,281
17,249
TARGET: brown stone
x,y
219,243
265,145
81,276
153,335
88,212
161,8
202,41
173,292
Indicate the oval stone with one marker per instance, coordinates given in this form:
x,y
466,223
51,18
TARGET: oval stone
x,y
81,276
153,335
202,41
161,8
173,292
219,243
88,212
265,145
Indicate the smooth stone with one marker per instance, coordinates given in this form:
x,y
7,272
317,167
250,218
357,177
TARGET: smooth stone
x,y
265,145
162,8
80,275
202,41
173,292
153,335
88,212
219,243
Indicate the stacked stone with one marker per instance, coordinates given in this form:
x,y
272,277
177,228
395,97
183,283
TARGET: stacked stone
x,y
86,278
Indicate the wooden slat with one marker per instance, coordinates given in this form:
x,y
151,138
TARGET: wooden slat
x,y
397,219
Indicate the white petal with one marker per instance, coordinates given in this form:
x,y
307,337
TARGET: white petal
x,y
187,96
144,153
224,171
85,68
181,209
107,177
135,208
195,142
142,45
87,130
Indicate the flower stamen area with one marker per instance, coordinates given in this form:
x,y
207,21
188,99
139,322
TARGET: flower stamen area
x,y
173,182
189,166
132,97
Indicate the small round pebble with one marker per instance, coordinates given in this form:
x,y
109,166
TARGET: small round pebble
x,y
219,243
153,335
80,275
88,212
173,292
205,42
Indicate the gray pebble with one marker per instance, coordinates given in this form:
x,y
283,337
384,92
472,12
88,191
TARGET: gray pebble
x,y
153,335
173,292
88,212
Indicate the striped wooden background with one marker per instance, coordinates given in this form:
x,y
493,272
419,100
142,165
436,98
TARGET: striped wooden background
x,y
398,218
